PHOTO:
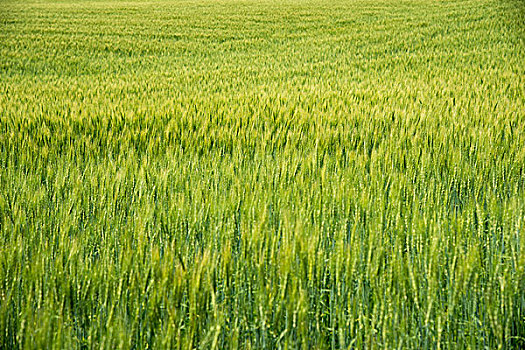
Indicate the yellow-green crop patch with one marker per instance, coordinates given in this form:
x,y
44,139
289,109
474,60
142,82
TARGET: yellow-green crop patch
x,y
262,174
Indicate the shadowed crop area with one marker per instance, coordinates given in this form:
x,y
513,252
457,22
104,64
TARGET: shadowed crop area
x,y
262,174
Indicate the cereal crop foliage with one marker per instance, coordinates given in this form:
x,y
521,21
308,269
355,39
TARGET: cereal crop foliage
x,y
262,174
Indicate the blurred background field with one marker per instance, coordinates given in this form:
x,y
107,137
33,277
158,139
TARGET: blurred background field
x,y
262,174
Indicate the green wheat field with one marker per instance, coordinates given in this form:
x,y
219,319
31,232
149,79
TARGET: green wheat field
x,y
262,174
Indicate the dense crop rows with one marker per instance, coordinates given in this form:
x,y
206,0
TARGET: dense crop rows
x,y
260,174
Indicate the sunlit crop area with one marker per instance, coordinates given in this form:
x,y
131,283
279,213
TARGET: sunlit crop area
x,y
262,174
